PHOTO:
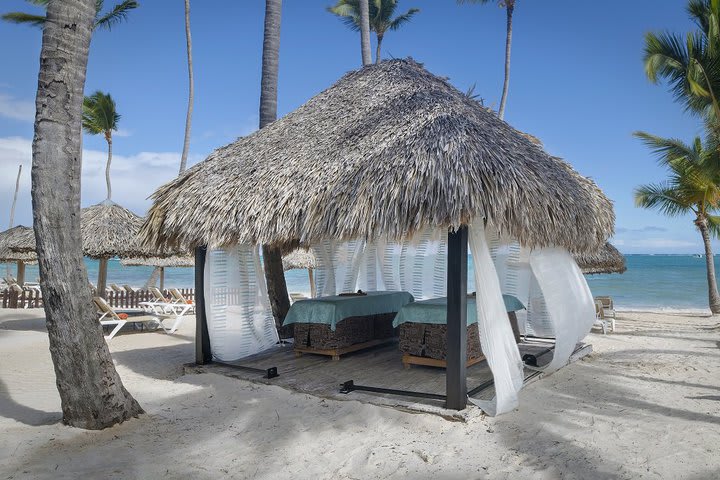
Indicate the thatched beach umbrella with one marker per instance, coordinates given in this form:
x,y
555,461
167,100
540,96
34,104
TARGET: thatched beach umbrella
x,y
388,150
109,230
604,260
302,259
161,263
17,244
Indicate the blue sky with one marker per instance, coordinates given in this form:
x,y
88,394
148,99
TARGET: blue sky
x,y
577,83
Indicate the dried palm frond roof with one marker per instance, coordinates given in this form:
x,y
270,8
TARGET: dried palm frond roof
x,y
18,244
300,259
109,230
604,260
182,261
386,151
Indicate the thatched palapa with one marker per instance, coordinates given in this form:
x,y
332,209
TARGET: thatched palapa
x,y
604,260
169,262
109,230
301,259
388,150
19,240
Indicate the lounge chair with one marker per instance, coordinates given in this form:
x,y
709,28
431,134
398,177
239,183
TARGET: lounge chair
x,y
129,289
179,299
600,320
116,289
294,297
608,308
108,316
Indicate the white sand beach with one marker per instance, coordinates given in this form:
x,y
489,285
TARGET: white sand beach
x,y
645,404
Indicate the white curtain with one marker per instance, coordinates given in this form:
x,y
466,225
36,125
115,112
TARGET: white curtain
x,y
496,336
417,265
240,321
567,300
337,266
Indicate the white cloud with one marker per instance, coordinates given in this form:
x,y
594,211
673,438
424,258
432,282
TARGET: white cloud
x,y
134,177
121,132
15,109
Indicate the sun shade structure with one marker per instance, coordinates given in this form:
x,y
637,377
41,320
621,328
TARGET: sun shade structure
x,y
605,260
391,161
386,151
161,263
109,230
17,244
302,259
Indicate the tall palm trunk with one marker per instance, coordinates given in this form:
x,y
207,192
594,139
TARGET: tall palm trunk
x,y
12,214
378,47
91,392
108,137
713,296
191,90
508,44
272,257
365,32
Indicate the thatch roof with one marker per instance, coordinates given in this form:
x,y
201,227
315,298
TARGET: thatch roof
x,y
18,239
386,151
300,259
109,230
183,261
605,260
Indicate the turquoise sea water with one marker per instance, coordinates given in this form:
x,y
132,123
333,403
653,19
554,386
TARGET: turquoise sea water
x,y
652,282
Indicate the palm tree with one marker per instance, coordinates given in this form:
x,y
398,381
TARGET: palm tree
x,y
509,6
690,63
693,187
100,117
381,17
365,32
272,255
108,20
91,392
191,90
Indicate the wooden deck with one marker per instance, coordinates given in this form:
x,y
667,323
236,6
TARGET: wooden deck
x,y
381,366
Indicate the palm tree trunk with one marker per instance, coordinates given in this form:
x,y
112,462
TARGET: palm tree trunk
x,y
377,49
365,32
91,392
107,169
272,257
12,208
508,44
713,296
191,90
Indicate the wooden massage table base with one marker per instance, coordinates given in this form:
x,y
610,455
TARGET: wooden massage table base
x,y
335,353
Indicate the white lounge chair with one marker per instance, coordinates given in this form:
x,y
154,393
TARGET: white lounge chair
x,y
600,320
179,299
108,316
294,297
608,309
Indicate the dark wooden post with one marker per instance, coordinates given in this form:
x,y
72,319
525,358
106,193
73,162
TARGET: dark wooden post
x,y
203,354
456,371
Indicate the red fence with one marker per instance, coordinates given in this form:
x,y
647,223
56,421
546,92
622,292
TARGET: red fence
x,y
32,298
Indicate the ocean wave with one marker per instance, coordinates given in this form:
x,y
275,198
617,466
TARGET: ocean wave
x,y
695,312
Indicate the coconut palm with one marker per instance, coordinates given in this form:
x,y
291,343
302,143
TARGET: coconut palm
x,y
107,20
690,64
365,32
101,117
272,255
693,187
191,89
91,392
509,6
381,17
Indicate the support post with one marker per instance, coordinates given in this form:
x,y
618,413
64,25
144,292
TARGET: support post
x,y
20,273
456,371
102,277
311,278
203,354
162,278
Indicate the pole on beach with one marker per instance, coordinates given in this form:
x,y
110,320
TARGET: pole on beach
x,y
203,354
456,370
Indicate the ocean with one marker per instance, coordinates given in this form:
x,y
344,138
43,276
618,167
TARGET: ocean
x,y
651,282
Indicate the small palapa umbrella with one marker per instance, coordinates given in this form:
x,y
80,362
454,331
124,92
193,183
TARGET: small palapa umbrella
x,y
161,263
17,244
302,259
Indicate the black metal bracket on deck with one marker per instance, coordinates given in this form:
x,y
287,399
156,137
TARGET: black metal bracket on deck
x,y
350,386
268,373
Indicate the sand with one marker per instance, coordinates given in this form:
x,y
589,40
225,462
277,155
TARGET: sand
x,y
645,404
